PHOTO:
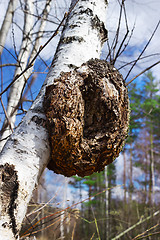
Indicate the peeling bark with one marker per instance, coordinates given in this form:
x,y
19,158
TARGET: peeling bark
x,y
87,114
9,193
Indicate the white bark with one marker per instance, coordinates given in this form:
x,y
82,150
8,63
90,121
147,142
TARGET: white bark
x,y
152,167
27,151
63,207
6,23
24,54
41,29
86,44
16,88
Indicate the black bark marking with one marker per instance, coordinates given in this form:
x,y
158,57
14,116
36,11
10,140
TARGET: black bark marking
x,y
72,39
87,118
9,194
96,23
39,121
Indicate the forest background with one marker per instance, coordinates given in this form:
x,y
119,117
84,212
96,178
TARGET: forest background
x,y
122,202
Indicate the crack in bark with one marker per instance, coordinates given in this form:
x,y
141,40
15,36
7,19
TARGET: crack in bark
x,y
9,194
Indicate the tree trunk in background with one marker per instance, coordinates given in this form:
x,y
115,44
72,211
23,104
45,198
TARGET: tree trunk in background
x,y
130,173
6,23
124,177
25,54
107,203
145,149
63,207
26,153
41,29
152,174
16,88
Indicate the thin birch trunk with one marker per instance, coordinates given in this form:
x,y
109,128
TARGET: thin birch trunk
x,y
152,173
152,165
7,23
27,152
19,85
41,29
63,214
124,178
16,88
130,174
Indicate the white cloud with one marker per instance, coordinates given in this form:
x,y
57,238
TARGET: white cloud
x,y
62,192
145,15
137,172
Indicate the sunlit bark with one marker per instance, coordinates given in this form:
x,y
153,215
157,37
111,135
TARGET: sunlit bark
x,y
25,55
6,23
16,88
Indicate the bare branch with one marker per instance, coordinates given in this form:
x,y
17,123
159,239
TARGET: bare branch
x,y
153,65
142,220
143,49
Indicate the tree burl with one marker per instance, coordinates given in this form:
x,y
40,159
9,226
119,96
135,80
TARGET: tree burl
x,y
87,113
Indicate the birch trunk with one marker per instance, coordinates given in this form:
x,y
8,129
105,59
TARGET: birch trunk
x,y
25,54
63,207
124,178
16,88
26,153
152,175
130,174
6,23
41,29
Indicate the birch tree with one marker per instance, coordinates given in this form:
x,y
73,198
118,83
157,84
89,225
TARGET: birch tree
x,y
27,152
6,23
27,53
16,88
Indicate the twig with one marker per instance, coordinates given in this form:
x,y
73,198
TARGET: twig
x,y
118,30
40,49
45,203
95,220
9,52
73,205
9,65
153,65
143,49
128,63
135,225
30,64
149,235
139,236
5,112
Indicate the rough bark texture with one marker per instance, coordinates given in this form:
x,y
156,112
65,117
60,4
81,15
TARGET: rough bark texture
x,y
87,114
9,193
